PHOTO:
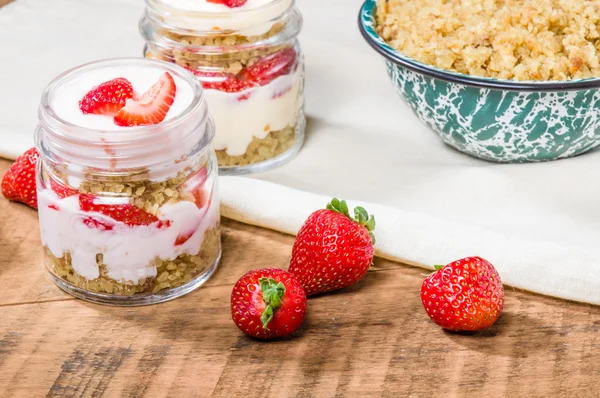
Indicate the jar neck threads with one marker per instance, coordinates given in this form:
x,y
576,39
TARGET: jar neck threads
x,y
252,23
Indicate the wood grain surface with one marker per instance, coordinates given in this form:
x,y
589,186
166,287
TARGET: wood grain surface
x,y
372,339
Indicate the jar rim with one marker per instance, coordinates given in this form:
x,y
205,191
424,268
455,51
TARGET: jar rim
x,y
254,21
154,37
236,11
49,117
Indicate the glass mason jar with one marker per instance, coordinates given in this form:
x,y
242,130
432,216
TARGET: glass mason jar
x,y
127,216
249,62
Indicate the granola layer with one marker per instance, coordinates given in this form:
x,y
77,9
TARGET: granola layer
x,y
170,273
505,39
274,144
142,192
229,60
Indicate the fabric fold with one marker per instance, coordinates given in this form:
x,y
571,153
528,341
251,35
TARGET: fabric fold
x,y
561,271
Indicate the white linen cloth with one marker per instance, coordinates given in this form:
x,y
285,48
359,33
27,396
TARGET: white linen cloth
x,y
538,223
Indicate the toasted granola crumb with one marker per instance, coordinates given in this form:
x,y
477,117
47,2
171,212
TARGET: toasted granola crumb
x,y
228,61
507,39
275,143
171,273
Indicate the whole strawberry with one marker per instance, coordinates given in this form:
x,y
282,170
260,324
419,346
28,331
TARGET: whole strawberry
x,y
19,182
465,295
333,250
268,303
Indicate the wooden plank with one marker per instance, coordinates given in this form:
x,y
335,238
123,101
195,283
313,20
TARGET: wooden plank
x,y
373,338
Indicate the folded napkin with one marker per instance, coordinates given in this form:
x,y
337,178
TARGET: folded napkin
x,y
538,223
419,239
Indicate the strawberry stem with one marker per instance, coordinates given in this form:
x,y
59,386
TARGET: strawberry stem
x,y
272,293
361,216
438,267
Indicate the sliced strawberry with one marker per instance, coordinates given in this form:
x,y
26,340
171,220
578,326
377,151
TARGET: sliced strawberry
x,y
152,107
18,183
195,185
62,191
107,98
181,239
282,92
223,82
229,3
270,67
97,224
163,224
125,213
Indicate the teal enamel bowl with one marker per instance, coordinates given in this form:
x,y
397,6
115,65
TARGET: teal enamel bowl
x,y
496,120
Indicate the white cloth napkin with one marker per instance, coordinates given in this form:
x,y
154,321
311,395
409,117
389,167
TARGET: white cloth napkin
x,y
538,223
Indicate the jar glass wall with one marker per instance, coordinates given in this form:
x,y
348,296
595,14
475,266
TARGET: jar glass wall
x,y
250,64
128,216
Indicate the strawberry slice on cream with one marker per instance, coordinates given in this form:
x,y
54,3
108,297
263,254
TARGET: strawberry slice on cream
x,y
152,107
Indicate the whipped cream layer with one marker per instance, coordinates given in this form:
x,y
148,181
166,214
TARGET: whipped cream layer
x,y
272,107
128,251
65,100
252,19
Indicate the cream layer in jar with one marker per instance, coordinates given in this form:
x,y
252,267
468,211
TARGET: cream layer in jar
x,y
240,117
128,251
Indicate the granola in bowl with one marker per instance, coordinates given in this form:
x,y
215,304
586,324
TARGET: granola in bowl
x,y
503,39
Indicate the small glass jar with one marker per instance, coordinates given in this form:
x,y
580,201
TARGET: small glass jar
x,y
127,216
249,62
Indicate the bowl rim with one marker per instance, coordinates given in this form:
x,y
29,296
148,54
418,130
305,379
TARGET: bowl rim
x,y
366,24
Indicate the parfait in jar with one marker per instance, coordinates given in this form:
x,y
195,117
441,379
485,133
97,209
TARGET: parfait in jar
x,y
248,59
127,189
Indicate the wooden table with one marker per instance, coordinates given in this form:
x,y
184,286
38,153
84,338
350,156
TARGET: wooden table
x,y
372,339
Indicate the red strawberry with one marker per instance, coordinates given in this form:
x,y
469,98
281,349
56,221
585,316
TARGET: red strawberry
x,y
61,190
150,108
229,3
125,213
195,185
270,67
332,249
107,98
19,183
97,224
268,303
465,295
223,82
181,239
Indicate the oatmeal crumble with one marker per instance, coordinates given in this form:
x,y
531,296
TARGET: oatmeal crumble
x,y
150,196
507,39
169,273
275,143
232,61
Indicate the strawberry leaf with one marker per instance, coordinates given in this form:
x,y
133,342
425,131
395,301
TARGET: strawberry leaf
x,y
272,293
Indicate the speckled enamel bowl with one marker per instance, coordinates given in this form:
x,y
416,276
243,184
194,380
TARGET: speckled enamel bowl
x,y
492,119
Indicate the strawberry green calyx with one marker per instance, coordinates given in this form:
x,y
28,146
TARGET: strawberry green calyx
x,y
438,267
272,293
360,215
